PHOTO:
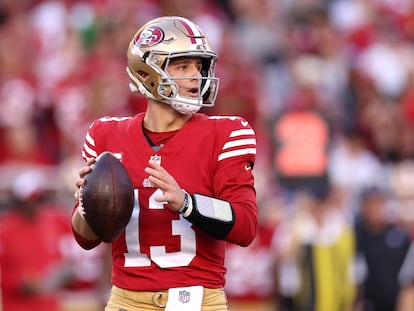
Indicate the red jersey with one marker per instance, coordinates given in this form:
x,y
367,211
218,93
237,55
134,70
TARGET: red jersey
x,y
160,249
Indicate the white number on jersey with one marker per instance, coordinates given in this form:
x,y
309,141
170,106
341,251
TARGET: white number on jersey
x,y
158,254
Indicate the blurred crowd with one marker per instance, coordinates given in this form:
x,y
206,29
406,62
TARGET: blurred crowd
x,y
328,86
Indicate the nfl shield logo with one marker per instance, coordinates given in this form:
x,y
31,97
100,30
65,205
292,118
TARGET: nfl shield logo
x,y
183,296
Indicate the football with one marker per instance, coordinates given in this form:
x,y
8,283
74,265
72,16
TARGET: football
x,y
107,197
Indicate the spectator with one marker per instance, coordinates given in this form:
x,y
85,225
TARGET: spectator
x,y
381,248
315,252
31,262
302,138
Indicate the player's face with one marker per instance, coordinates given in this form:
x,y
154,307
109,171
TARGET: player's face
x,y
189,68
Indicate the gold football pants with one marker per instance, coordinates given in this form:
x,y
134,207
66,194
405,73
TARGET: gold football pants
x,y
126,300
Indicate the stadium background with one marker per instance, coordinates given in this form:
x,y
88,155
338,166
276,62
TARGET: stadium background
x,y
348,63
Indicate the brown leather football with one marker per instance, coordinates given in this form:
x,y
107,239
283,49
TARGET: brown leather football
x,y
107,197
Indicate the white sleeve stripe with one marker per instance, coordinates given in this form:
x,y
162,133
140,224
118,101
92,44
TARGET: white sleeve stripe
x,y
86,156
89,150
239,142
232,118
110,119
242,132
235,153
90,140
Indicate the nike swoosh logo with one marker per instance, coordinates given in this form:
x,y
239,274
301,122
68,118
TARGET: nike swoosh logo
x,y
244,123
247,167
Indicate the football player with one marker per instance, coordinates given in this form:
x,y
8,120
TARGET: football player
x,y
192,175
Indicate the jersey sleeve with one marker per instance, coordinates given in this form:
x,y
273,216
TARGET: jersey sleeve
x,y
95,138
92,147
84,243
233,178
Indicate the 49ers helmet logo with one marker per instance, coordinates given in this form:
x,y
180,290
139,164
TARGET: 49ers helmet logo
x,y
149,36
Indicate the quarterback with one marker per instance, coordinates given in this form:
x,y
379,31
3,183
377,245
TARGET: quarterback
x,y
192,175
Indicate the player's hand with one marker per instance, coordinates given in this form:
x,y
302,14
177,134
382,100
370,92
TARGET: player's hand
x,y
161,179
82,172
78,221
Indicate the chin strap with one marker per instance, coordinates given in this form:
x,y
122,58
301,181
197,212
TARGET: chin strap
x,y
184,108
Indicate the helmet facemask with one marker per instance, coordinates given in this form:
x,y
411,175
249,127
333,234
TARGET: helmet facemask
x,y
207,86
